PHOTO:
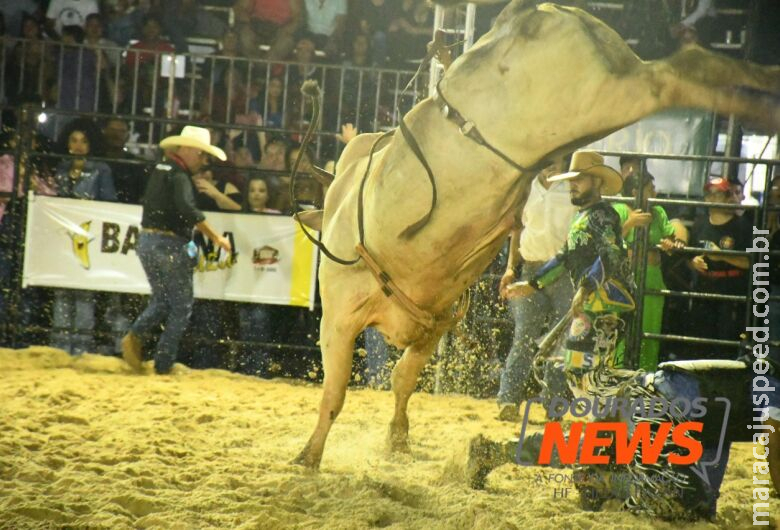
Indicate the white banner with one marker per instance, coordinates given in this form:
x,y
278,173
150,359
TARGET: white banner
x,y
90,245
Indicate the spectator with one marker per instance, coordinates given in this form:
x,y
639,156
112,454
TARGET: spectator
x,y
275,159
14,11
374,18
259,195
152,40
256,321
214,194
248,44
273,116
124,22
130,179
325,24
720,229
662,233
79,70
307,190
63,13
29,70
409,33
275,22
539,235
79,178
93,37
183,19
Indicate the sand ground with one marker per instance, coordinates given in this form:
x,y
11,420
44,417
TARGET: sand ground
x,y
86,444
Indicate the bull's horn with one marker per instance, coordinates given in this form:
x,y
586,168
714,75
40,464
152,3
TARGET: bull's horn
x,y
325,178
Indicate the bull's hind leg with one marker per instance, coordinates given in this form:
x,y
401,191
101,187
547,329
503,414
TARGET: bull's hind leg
x,y
405,374
337,343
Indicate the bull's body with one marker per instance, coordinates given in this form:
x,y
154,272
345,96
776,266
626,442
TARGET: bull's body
x,y
544,81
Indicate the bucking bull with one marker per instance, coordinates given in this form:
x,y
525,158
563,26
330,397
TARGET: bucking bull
x,y
425,210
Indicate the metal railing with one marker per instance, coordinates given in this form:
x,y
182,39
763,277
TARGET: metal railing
x,y
640,252
137,84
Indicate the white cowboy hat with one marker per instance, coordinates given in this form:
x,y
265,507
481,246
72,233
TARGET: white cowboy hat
x,y
196,137
592,163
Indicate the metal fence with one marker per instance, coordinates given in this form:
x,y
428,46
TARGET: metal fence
x,y
144,86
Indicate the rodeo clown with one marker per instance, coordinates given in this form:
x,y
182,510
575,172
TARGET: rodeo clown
x,y
597,262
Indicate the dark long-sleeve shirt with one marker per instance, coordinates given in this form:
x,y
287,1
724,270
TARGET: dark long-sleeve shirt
x,y
593,252
169,201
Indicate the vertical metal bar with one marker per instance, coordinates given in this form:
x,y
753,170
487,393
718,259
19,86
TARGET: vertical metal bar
x,y
193,73
341,101
153,110
396,110
115,98
98,64
134,103
359,97
22,63
79,69
641,240
211,87
284,94
247,95
41,69
171,86
229,91
59,90
265,97
376,103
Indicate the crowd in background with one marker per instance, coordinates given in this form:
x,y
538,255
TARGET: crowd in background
x,y
87,56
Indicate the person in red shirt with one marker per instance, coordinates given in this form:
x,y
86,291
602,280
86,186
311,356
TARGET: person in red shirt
x,y
151,39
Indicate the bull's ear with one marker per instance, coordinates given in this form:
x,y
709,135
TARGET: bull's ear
x,y
312,219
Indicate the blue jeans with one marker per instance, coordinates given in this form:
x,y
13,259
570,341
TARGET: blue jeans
x,y
168,268
673,385
530,314
73,321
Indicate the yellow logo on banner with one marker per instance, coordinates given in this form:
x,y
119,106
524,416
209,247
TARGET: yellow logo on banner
x,y
80,241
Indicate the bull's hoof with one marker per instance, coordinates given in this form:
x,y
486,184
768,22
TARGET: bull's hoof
x,y
484,456
307,460
398,444
398,436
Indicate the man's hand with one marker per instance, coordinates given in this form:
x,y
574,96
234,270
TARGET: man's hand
x,y
699,264
506,279
638,218
713,257
206,187
668,244
578,300
519,290
224,243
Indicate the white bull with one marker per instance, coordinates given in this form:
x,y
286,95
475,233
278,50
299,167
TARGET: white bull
x,y
544,81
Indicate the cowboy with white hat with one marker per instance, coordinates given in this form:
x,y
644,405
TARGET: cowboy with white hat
x,y
595,257
165,245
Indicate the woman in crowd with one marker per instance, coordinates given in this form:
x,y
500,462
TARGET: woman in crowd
x,y
662,232
257,321
79,178
258,196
